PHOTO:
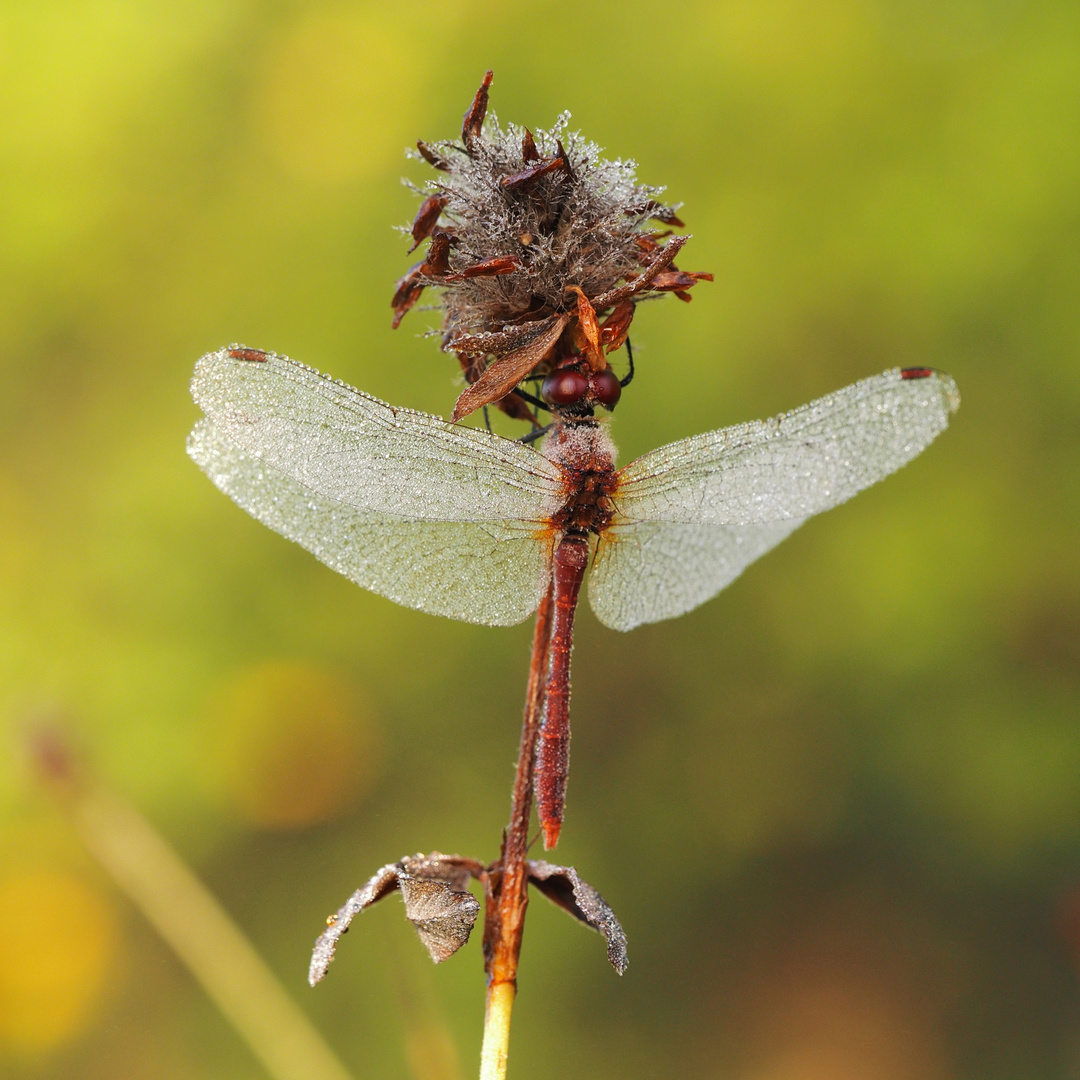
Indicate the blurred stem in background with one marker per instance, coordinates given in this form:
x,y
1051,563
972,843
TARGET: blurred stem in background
x,y
192,922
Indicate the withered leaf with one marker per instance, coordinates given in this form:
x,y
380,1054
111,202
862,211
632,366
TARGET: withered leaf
x,y
407,293
673,280
565,159
436,902
455,870
443,916
505,373
383,882
590,330
434,159
562,886
499,342
437,263
473,122
660,261
533,172
651,208
497,264
426,218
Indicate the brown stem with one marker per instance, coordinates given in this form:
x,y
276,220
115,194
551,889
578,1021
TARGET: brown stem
x,y
506,885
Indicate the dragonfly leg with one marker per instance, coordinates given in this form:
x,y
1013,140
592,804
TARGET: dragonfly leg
x,y
536,433
532,399
629,377
553,752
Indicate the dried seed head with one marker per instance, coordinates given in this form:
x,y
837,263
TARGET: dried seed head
x,y
530,232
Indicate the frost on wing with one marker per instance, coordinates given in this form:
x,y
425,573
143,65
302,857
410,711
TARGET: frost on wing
x,y
377,458
794,465
439,518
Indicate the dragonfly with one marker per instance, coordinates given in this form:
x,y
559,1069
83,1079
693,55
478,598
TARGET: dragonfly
x,y
461,522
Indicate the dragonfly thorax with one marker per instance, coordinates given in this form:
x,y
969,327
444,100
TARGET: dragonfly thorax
x,y
584,452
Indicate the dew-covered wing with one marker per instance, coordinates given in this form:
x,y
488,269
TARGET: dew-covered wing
x,y
356,450
490,572
446,519
794,465
647,571
692,515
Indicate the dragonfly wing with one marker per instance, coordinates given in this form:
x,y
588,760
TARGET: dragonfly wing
x,y
692,515
795,465
647,571
490,572
354,449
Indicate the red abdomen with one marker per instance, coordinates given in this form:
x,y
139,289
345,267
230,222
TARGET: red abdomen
x,y
553,753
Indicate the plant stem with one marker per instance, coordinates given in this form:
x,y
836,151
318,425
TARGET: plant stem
x,y
493,1054
507,881
192,922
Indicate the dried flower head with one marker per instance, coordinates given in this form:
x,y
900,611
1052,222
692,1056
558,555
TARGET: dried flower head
x,y
542,247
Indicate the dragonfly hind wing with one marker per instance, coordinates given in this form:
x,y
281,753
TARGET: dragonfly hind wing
x,y
488,572
647,571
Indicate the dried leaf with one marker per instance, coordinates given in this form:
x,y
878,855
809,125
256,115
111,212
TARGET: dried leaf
x,y
657,212
673,280
660,261
590,330
437,903
455,870
473,123
407,293
426,218
616,327
436,160
437,263
565,159
382,883
443,916
505,373
533,172
497,264
562,886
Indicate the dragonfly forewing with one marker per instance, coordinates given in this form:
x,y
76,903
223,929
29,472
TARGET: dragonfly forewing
x,y
489,572
357,450
795,465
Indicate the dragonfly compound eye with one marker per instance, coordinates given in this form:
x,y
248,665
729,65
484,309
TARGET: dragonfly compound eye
x,y
605,388
566,387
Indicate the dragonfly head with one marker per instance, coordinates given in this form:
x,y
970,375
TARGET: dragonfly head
x,y
571,389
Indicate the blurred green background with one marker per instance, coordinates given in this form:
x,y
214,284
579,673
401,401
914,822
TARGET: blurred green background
x,y
837,809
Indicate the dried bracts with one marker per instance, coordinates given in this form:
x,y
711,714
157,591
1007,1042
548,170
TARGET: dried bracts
x,y
541,248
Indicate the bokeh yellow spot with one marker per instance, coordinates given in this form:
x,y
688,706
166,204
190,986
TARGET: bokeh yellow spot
x,y
57,943
336,92
294,745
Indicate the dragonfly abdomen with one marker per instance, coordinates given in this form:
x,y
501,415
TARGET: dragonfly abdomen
x,y
553,752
